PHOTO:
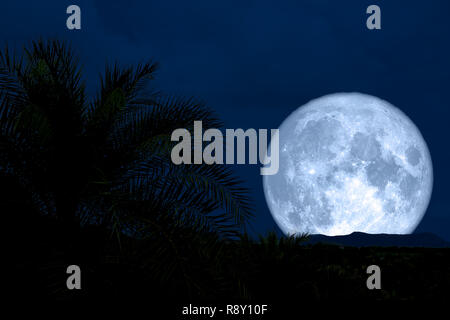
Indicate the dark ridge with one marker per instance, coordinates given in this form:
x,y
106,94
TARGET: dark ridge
x,y
360,239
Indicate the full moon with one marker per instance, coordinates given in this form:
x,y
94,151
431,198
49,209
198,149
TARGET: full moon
x,y
349,162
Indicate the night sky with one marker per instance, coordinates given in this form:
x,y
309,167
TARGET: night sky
x,y
255,62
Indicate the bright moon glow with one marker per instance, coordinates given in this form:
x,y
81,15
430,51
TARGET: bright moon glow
x,y
349,162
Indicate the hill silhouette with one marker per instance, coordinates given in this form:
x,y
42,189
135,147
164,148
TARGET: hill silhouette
x,y
361,239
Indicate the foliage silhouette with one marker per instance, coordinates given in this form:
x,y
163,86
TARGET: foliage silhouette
x,y
105,163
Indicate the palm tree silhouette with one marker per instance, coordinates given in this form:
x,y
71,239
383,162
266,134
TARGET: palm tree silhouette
x,y
106,161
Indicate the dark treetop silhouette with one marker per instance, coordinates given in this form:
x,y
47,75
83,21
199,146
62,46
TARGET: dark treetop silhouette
x,y
106,162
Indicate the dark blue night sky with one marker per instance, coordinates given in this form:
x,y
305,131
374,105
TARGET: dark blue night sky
x,y
255,62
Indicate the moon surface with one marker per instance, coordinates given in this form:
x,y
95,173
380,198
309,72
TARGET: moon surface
x,y
349,162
